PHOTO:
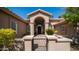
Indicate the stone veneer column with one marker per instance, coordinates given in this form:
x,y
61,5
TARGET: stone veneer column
x,y
28,43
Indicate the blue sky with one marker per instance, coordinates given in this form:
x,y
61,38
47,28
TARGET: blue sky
x,y
23,11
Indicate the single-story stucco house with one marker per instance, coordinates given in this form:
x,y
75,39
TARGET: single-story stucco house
x,y
36,23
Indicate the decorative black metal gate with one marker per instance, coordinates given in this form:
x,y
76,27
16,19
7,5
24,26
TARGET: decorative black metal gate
x,y
40,43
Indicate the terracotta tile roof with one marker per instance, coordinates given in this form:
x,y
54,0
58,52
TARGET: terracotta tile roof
x,y
57,22
7,11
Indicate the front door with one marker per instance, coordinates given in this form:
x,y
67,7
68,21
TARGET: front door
x,y
39,30
39,26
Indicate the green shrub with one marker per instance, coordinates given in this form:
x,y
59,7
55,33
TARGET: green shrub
x,y
7,37
50,31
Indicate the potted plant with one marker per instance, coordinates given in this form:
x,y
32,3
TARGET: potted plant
x,y
50,31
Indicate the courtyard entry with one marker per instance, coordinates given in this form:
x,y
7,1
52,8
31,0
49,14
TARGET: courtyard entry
x,y
39,43
39,27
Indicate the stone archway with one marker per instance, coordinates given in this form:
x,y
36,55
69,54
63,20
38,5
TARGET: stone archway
x,y
39,26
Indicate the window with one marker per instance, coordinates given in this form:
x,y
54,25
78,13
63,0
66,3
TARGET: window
x,y
28,29
62,27
14,26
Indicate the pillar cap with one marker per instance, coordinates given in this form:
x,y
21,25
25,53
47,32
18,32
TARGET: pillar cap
x,y
58,38
28,37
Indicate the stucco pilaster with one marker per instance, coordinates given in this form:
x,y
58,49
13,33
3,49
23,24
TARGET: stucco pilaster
x,y
31,29
46,27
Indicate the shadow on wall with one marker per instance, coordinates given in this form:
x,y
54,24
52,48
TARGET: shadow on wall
x,y
35,46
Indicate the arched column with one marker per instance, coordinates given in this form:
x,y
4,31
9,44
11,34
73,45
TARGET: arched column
x,y
31,28
32,22
46,26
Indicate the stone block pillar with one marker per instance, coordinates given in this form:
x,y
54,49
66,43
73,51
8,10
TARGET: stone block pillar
x,y
51,45
28,43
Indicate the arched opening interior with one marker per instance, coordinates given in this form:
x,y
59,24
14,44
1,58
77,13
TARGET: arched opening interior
x,y
39,26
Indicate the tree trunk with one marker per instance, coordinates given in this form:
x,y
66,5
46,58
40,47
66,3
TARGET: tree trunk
x,y
75,32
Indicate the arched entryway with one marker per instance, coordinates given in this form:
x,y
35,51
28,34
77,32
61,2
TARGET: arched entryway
x,y
39,26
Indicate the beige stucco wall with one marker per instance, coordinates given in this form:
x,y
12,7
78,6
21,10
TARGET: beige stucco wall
x,y
32,19
67,30
21,27
58,46
5,22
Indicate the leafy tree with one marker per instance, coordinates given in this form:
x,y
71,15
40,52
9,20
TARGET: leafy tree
x,y
72,16
7,37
